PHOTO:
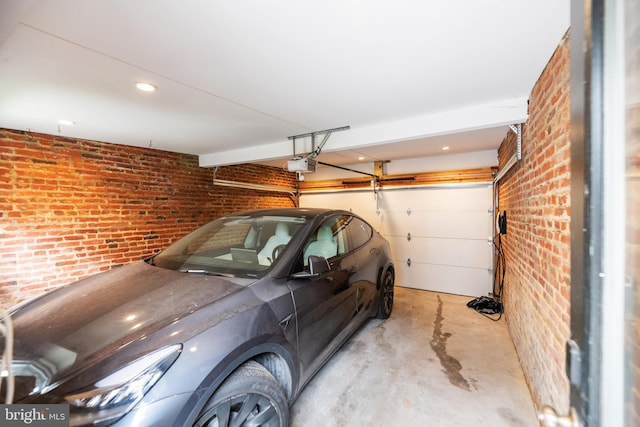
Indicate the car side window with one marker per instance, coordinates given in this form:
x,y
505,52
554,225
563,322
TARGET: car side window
x,y
328,240
359,231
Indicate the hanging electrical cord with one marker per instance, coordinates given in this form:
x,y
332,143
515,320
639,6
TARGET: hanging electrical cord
x,y
501,268
6,370
488,306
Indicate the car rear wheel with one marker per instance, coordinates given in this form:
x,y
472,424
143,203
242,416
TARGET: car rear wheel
x,y
249,397
385,304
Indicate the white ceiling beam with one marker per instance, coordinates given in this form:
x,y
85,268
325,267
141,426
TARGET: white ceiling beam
x,y
441,123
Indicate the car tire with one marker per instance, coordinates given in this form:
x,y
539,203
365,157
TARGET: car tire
x,y
250,396
385,299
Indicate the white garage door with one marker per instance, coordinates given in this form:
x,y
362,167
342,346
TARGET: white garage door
x,y
440,236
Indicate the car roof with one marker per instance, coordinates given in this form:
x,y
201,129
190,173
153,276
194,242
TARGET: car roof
x,y
310,212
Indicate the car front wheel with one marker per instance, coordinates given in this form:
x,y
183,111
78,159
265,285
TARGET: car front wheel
x,y
385,304
249,397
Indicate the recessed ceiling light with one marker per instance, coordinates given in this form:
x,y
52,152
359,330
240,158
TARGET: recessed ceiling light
x,y
146,87
361,158
66,122
445,148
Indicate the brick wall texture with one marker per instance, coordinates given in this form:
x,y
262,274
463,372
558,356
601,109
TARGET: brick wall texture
x,y
535,194
70,208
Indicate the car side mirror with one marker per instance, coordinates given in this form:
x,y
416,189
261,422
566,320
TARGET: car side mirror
x,y
317,266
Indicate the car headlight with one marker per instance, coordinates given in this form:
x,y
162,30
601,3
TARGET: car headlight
x,y
115,395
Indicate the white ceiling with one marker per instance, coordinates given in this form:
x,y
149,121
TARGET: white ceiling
x,y
236,78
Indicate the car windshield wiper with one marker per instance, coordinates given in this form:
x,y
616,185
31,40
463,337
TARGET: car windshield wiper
x,y
207,272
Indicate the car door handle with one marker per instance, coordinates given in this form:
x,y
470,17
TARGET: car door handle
x,y
284,323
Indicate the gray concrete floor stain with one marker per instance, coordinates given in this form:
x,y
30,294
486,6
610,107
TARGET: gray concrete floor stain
x,y
452,366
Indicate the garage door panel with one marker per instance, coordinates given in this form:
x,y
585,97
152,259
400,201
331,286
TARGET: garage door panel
x,y
446,224
441,278
450,228
349,201
439,198
453,252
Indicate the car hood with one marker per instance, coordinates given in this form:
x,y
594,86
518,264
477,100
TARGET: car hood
x,y
70,329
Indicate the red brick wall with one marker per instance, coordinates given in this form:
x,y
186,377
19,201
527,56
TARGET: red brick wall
x,y
71,208
535,194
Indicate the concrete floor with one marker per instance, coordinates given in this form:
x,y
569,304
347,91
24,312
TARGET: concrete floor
x,y
434,362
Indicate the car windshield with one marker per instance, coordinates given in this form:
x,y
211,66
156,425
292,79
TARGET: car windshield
x,y
241,246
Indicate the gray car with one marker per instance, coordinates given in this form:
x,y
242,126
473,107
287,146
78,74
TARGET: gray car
x,y
224,327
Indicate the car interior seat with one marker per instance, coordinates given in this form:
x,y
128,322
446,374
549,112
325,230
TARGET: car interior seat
x,y
325,245
281,237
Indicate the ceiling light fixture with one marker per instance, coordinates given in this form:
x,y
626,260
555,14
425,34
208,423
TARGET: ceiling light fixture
x,y
64,122
445,148
361,158
146,87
